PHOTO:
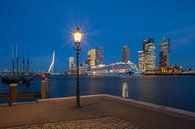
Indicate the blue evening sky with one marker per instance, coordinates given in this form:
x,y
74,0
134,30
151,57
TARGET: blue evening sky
x,y
41,26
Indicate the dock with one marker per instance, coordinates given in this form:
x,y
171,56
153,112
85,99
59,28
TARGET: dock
x,y
97,111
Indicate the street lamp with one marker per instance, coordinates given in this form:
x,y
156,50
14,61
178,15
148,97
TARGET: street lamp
x,y
77,35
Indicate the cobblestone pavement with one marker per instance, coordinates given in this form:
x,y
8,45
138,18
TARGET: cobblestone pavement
x,y
99,123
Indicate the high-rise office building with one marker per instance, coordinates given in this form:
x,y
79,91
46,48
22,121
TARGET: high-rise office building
x,y
73,67
99,56
125,54
162,60
164,53
95,57
141,60
71,64
149,54
92,58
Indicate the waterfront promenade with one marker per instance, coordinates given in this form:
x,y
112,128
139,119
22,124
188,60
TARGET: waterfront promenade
x,y
98,111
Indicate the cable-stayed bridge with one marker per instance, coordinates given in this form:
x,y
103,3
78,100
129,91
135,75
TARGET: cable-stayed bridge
x,y
51,67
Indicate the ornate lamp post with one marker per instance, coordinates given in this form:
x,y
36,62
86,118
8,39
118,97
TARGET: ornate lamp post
x,y
77,35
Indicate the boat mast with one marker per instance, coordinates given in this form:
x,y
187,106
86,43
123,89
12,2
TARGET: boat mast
x,y
13,67
23,63
28,62
17,59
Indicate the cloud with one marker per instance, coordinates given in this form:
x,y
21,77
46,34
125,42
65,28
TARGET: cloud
x,y
183,30
183,36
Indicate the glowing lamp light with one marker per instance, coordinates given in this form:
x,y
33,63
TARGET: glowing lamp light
x,y
77,35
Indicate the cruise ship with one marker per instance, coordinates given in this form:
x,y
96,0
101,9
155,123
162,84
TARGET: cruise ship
x,y
115,69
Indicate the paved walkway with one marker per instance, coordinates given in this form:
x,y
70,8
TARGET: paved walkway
x,y
98,123
105,111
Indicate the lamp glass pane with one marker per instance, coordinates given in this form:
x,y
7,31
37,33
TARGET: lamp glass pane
x,y
77,36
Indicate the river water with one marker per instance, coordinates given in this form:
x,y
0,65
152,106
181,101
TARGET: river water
x,y
172,91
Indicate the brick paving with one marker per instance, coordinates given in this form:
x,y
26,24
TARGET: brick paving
x,y
98,123
97,111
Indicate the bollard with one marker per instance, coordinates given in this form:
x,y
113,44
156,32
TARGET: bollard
x,y
44,86
125,92
44,89
13,93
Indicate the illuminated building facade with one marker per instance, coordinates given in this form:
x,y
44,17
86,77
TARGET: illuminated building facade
x,y
95,57
164,54
141,60
72,66
99,56
92,58
162,60
125,54
149,55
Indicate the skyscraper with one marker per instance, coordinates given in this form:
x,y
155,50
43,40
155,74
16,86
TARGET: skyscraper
x,y
99,56
125,54
92,58
95,57
72,66
141,60
149,54
164,53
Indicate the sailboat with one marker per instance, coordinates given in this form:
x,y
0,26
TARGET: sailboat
x,y
16,76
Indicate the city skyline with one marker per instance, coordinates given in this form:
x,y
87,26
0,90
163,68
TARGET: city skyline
x,y
49,27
